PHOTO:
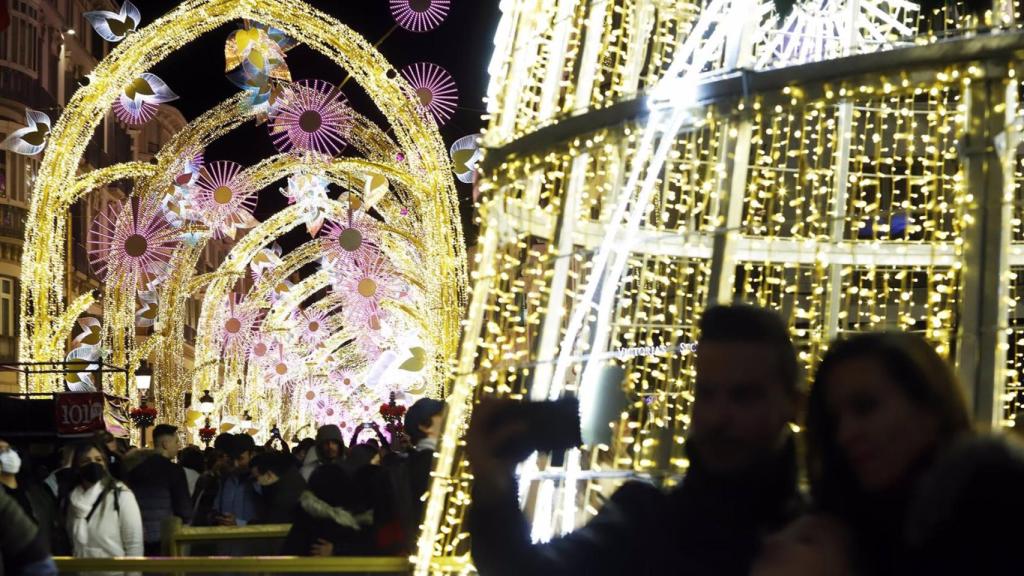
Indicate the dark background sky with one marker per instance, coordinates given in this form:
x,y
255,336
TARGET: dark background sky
x,y
462,45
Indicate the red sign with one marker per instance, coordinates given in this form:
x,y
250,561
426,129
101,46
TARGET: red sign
x,y
79,413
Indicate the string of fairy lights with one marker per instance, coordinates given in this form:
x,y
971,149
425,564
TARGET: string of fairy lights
x,y
854,209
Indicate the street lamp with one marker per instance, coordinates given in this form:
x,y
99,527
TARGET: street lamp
x,y
206,407
206,403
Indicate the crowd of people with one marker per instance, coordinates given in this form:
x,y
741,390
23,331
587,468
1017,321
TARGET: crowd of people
x,y
900,479
104,499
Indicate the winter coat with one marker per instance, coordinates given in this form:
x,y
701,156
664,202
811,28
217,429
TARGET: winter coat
x,y
281,499
105,528
22,550
705,527
960,519
41,508
333,509
161,489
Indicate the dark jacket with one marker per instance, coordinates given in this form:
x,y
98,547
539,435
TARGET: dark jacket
x,y
22,549
161,489
334,510
280,501
960,518
706,526
41,507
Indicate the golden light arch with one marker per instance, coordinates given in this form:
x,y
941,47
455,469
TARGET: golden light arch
x,y
43,263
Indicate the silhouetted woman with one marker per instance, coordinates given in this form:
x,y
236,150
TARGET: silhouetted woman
x,y
892,451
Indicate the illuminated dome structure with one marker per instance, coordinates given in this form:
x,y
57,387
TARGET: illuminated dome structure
x,y
378,202
854,166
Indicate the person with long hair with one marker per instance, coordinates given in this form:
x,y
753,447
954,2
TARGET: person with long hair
x,y
893,453
103,516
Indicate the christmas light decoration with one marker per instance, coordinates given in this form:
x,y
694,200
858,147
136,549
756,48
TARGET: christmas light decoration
x,y
31,139
309,192
140,101
225,199
311,115
419,15
132,243
351,239
434,89
114,26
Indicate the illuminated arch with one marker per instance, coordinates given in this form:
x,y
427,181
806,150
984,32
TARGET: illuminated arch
x,y
43,262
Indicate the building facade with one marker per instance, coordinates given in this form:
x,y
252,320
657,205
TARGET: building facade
x,y
45,55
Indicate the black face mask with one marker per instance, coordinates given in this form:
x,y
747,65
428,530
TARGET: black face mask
x,y
92,472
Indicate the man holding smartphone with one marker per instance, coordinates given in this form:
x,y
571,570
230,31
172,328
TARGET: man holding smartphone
x,y
740,484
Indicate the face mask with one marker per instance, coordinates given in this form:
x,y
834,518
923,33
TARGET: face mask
x,y
92,472
10,462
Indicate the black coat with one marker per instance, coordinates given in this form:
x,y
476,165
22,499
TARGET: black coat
x,y
41,507
279,502
705,527
161,489
963,516
330,486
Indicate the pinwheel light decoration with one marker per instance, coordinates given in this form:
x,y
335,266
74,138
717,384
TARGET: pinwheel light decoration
x,y
80,364
132,242
264,261
146,314
280,290
254,58
31,139
309,193
419,15
238,322
466,154
311,115
352,239
114,26
252,49
225,198
179,201
84,356
141,99
312,326
434,88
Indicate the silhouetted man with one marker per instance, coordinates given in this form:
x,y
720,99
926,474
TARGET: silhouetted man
x,y
159,485
740,484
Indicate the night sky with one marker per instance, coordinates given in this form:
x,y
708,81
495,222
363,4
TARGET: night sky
x,y
462,45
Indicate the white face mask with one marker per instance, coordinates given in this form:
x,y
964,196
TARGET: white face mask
x,y
10,462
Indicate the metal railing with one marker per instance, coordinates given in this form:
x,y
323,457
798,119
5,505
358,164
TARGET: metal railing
x,y
177,537
246,564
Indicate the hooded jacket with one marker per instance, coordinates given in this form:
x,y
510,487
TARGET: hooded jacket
x,y
705,527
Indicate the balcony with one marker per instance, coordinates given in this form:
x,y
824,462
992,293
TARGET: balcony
x,y
12,221
22,88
